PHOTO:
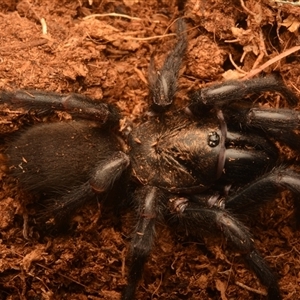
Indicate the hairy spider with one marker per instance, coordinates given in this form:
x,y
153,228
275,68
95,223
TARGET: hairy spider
x,y
177,164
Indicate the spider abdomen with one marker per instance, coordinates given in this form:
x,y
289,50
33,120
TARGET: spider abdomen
x,y
54,157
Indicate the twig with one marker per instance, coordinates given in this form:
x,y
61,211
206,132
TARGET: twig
x,y
295,87
59,273
248,288
288,2
235,65
38,18
157,288
44,26
141,75
247,9
68,277
111,15
148,38
20,46
270,62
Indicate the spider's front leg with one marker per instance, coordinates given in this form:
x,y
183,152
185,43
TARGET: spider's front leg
x,y
148,201
163,83
77,105
199,220
234,90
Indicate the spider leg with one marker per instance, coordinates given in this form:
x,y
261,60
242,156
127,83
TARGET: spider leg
x,y
285,119
276,123
163,83
237,159
199,219
230,91
264,189
147,200
102,180
77,105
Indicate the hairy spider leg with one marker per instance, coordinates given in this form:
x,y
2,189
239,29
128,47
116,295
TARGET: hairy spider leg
x,y
265,189
201,220
234,90
102,180
77,105
148,201
275,123
163,83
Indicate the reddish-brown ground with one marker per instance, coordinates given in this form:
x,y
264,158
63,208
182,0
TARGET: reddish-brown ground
x,y
107,57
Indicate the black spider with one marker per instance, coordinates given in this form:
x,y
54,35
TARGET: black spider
x,y
179,164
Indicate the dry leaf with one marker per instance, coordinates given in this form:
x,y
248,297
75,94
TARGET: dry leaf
x,y
291,23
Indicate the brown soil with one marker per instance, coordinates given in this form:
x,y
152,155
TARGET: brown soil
x,y
107,57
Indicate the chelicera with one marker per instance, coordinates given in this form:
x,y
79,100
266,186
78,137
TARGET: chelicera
x,y
197,168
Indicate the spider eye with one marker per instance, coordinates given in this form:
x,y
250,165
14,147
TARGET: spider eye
x,y
213,139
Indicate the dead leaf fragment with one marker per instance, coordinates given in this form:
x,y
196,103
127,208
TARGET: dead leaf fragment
x,y
291,23
35,255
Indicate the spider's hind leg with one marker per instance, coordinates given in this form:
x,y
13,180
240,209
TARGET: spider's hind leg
x,y
148,201
198,219
265,189
101,181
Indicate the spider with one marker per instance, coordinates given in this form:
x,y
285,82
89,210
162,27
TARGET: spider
x,y
196,168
